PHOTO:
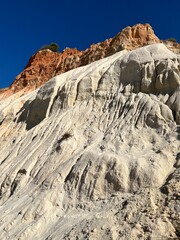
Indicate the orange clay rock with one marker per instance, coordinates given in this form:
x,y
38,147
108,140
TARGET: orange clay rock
x,y
46,64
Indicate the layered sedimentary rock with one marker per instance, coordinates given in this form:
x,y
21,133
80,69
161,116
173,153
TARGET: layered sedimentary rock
x,y
41,67
46,64
95,152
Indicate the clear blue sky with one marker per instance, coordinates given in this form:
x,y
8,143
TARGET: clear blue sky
x,y
27,25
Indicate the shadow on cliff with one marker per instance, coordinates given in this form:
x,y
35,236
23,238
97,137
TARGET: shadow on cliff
x,y
178,132
32,113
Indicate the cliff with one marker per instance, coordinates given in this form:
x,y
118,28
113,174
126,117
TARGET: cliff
x,y
94,153
46,64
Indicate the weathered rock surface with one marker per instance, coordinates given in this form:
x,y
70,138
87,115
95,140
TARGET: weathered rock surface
x,y
173,45
41,67
46,64
95,152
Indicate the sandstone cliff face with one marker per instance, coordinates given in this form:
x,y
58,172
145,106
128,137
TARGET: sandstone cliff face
x,y
94,153
46,64
41,67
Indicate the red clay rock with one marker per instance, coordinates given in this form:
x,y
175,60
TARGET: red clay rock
x,y
46,64
40,68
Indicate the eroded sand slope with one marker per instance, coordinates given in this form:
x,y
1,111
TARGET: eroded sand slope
x,y
95,152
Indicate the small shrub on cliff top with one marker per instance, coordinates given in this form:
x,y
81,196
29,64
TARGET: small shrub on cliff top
x,y
172,40
54,47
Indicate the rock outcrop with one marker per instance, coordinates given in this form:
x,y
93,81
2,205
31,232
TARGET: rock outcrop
x,y
41,67
46,64
94,153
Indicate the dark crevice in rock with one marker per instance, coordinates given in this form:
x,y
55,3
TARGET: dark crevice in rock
x,y
1,122
17,180
178,132
22,171
13,187
164,189
177,163
65,136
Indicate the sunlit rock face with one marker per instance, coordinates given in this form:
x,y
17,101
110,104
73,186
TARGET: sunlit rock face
x,y
45,64
95,152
